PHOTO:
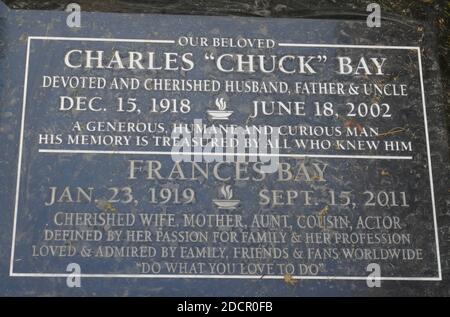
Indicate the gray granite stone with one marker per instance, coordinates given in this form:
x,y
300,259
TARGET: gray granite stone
x,y
35,44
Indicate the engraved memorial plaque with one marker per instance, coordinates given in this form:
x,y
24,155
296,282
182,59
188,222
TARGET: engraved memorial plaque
x,y
185,155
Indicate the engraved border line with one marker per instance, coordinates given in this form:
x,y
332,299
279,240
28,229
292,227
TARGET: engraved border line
x,y
368,157
13,274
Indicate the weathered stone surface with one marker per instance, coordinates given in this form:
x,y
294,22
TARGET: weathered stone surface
x,y
38,160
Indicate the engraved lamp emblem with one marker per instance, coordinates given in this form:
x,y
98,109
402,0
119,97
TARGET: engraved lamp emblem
x,y
221,113
227,202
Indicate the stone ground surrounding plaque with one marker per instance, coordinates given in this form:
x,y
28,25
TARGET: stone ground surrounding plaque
x,y
91,185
